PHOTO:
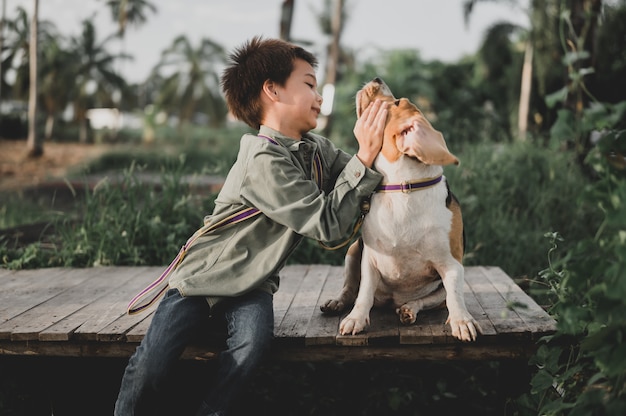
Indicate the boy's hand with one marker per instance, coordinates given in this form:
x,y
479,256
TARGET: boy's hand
x,y
368,131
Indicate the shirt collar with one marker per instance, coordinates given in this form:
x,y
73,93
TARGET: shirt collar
x,y
289,142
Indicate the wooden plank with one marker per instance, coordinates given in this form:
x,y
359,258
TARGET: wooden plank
x,y
487,330
418,333
24,289
323,329
137,333
14,280
408,353
104,285
536,319
294,324
34,303
429,325
323,353
116,330
290,280
383,329
436,320
495,305
107,309
29,325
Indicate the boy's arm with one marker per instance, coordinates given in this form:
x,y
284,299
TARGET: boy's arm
x,y
277,187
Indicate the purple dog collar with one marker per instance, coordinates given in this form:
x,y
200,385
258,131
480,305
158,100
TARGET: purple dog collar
x,y
406,187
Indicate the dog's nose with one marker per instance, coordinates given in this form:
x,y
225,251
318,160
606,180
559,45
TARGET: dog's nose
x,y
378,80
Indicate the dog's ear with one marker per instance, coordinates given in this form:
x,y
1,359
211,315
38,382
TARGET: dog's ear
x,y
426,144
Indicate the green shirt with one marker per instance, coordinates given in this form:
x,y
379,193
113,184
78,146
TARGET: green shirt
x,y
277,180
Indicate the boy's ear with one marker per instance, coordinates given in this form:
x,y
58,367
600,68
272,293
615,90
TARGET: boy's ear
x,y
269,89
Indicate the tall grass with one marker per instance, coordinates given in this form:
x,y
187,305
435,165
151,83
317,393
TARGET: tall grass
x,y
127,223
511,194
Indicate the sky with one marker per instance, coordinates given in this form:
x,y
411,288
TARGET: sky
x,y
434,27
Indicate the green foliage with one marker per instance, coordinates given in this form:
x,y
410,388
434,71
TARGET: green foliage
x,y
583,367
123,224
510,193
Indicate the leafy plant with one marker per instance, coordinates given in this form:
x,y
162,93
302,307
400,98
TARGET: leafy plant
x,y
582,369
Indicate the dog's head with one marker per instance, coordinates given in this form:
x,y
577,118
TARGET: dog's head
x,y
407,131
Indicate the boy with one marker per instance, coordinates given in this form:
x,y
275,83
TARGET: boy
x,y
233,272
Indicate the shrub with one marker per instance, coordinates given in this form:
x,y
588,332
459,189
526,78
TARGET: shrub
x,y
581,370
510,194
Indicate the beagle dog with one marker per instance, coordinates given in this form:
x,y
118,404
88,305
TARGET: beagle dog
x,y
410,252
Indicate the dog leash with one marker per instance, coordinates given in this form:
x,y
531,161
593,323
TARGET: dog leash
x,y
365,208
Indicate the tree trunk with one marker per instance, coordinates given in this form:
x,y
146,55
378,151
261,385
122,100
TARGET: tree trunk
x,y
4,9
524,96
34,143
83,131
286,17
49,126
333,56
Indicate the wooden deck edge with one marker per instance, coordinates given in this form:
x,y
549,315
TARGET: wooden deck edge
x,y
286,351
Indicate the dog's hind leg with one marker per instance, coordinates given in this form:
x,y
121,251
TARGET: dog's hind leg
x,y
408,312
351,283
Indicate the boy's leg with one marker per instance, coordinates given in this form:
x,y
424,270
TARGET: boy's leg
x,y
176,322
250,327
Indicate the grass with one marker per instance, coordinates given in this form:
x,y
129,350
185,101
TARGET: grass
x,y
511,195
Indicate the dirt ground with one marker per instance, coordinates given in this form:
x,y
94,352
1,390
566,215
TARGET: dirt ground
x,y
18,171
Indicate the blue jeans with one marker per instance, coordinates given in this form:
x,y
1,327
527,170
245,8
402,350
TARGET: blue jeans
x,y
177,322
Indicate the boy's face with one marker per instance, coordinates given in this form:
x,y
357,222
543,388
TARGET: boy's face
x,y
299,99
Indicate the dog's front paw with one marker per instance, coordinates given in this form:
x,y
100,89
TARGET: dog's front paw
x,y
465,328
353,324
333,306
407,314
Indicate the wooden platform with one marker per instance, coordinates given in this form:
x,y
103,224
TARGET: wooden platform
x,y
81,313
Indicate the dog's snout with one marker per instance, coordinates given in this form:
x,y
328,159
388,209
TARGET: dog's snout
x,y
378,80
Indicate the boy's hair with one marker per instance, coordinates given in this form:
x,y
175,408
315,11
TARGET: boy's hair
x,y
250,66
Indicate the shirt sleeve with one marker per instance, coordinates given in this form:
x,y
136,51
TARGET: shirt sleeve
x,y
275,185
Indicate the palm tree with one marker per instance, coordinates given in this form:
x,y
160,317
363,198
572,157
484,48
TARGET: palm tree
x,y
34,143
191,80
2,19
500,59
16,50
57,77
498,35
331,20
96,80
129,13
286,17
